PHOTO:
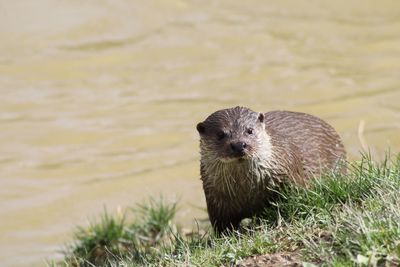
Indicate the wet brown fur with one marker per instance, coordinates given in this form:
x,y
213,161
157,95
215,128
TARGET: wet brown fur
x,y
296,147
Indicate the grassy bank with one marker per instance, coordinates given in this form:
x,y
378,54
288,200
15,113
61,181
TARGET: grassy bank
x,y
338,221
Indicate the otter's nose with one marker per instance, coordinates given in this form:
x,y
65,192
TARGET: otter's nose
x,y
238,147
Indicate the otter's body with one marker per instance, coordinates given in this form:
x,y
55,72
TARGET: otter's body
x,y
246,156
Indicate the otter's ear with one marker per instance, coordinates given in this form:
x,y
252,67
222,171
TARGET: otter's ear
x,y
261,117
201,128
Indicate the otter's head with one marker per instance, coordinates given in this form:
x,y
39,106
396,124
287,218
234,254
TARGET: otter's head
x,y
233,134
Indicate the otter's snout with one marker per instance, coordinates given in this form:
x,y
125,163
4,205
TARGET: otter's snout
x,y
238,148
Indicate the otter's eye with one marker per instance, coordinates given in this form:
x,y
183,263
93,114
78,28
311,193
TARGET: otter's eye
x,y
221,135
250,131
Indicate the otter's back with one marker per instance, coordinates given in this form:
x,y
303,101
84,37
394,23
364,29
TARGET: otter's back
x,y
318,143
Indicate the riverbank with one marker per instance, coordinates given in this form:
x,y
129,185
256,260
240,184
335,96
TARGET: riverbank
x,y
338,221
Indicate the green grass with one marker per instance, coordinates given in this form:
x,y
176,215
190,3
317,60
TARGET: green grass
x,y
351,220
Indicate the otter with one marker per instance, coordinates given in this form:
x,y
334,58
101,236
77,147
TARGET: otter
x,y
246,156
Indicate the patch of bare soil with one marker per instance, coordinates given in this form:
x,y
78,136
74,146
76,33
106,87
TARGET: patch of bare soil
x,y
272,260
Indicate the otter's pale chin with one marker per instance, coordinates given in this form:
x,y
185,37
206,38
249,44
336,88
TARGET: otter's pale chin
x,y
227,160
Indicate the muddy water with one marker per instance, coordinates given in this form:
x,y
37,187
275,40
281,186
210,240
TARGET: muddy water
x,y
99,99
